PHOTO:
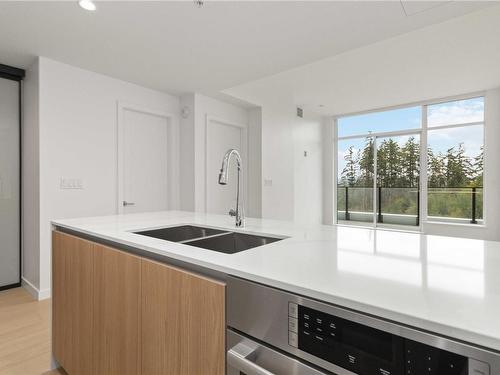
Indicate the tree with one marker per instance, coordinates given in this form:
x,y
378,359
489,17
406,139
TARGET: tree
x,y
478,169
388,163
349,173
457,167
366,164
436,169
399,167
410,155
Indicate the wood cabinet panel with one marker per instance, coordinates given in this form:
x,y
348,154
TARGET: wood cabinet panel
x,y
116,313
72,292
183,322
117,277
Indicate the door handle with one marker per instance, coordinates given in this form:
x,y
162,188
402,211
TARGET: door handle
x,y
238,361
125,204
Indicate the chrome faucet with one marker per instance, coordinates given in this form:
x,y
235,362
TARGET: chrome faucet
x,y
223,177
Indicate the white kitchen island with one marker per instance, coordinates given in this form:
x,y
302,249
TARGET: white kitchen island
x,y
449,286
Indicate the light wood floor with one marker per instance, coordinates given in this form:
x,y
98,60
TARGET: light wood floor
x,y
24,334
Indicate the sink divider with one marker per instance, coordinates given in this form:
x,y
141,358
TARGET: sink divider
x,y
203,238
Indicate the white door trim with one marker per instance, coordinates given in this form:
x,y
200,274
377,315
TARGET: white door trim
x,y
244,154
172,149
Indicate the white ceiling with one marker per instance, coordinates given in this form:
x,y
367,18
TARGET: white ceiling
x,y
176,47
459,56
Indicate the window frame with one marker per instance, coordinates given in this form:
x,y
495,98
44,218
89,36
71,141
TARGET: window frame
x,y
423,132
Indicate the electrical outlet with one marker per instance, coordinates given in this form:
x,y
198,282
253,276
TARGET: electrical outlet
x,y
268,182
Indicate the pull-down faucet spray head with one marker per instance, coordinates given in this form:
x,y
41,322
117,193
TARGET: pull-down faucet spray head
x,y
223,175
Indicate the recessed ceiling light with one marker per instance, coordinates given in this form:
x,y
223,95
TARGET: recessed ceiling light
x,y
87,5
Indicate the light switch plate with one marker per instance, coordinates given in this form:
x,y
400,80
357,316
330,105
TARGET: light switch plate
x,y
71,183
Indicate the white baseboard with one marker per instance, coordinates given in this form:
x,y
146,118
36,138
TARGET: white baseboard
x,y
30,288
44,294
34,291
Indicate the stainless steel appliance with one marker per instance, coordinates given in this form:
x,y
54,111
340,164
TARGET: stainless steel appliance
x,y
272,332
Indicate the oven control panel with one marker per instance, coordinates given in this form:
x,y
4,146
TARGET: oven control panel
x,y
367,351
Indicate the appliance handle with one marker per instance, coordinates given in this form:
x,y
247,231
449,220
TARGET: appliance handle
x,y
239,361
251,358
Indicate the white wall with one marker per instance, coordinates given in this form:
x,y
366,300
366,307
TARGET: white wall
x,y
186,153
78,139
31,179
206,106
254,199
278,114
291,184
308,169
193,148
452,58
278,117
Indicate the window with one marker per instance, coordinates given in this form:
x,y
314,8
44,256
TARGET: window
x,y
458,112
379,164
355,182
378,122
455,161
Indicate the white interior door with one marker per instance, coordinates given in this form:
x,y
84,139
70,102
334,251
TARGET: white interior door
x,y
143,161
222,136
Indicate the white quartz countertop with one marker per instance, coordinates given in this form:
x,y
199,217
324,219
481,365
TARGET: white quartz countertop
x,y
446,285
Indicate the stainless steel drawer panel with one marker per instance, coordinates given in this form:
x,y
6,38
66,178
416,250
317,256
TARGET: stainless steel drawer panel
x,y
251,358
263,313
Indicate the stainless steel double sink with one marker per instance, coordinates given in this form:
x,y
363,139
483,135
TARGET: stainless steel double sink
x,y
209,238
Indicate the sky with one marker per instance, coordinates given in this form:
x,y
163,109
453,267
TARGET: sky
x,y
405,118
440,140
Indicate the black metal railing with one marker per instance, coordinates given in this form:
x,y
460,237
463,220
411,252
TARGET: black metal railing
x,y
450,203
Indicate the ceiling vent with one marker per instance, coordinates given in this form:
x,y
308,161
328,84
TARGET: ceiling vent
x,y
300,112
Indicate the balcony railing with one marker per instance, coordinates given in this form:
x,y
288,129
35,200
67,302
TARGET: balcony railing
x,y
401,205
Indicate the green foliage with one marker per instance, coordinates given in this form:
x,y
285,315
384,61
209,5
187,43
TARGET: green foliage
x,y
410,157
366,164
349,172
451,175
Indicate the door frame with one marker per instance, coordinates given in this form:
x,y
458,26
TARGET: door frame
x,y
172,170
209,119
375,136
15,74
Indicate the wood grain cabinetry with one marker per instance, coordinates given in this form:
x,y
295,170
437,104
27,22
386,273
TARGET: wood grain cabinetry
x,y
72,305
183,322
116,313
